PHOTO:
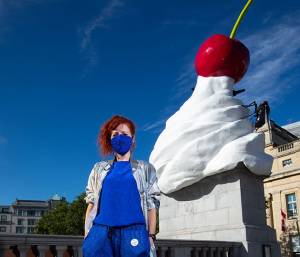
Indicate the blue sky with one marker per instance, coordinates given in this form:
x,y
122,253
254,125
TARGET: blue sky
x,y
67,66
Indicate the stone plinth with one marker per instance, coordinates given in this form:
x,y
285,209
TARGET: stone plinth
x,y
224,207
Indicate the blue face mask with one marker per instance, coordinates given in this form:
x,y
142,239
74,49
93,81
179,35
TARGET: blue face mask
x,y
121,143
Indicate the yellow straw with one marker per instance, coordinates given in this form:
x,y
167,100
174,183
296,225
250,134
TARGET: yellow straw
x,y
241,16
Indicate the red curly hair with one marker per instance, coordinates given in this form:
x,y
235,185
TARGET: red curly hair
x,y
104,135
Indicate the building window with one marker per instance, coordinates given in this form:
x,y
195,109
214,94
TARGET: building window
x,y
3,218
39,213
20,221
31,213
30,230
19,230
291,205
21,213
31,221
5,210
295,243
2,229
286,162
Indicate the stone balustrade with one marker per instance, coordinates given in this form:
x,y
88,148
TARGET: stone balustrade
x,y
70,246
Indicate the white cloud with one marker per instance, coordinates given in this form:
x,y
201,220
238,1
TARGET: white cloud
x,y
153,126
274,53
186,79
100,21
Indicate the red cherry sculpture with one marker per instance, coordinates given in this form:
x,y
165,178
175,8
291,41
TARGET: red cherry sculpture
x,y
220,55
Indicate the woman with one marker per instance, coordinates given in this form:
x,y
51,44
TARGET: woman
x,y
122,196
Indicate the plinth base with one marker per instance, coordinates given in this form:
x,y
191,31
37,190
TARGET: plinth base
x,y
225,207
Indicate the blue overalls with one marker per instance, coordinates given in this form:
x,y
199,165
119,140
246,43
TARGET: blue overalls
x,y
119,229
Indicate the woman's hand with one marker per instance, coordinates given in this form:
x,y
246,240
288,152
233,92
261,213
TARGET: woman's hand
x,y
151,240
151,223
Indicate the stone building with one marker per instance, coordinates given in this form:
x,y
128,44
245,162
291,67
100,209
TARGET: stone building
x,y
22,216
5,219
282,188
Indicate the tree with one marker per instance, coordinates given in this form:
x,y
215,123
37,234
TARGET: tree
x,y
68,218
76,216
64,219
53,222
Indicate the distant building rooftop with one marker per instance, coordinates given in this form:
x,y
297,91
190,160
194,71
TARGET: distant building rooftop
x,y
30,203
294,128
56,197
281,135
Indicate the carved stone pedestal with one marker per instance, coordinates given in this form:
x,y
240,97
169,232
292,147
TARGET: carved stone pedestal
x,y
224,207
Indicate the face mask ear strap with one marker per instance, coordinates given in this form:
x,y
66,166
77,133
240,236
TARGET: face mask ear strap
x,y
115,157
133,143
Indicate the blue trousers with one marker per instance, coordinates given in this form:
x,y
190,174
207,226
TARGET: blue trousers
x,y
124,241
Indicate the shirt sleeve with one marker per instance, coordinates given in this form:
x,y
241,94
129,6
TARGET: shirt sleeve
x,y
90,187
153,191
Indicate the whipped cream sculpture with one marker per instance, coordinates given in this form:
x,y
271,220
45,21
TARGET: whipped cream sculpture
x,y
211,132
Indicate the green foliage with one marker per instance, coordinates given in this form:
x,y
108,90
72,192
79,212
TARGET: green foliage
x,y
68,218
64,219
76,216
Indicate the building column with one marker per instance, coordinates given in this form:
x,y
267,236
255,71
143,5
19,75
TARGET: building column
x,y
60,250
78,251
204,252
276,206
42,250
23,250
219,251
226,252
212,251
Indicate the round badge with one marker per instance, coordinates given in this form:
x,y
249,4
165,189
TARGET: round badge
x,y
134,242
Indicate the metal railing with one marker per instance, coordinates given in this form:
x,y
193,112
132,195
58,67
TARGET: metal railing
x,y
285,147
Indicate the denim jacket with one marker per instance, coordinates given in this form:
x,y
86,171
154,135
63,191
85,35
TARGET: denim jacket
x,y
145,176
